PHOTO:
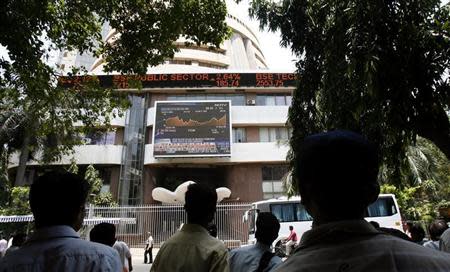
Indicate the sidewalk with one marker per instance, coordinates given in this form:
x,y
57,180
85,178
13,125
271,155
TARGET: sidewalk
x,y
137,255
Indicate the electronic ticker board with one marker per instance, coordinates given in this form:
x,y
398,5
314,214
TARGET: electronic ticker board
x,y
194,80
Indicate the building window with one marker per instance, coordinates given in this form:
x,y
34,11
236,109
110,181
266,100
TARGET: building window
x,y
273,100
236,99
272,183
181,62
274,134
239,135
210,65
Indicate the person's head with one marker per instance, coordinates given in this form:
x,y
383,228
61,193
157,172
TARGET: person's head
x,y
337,175
19,239
103,233
200,204
436,229
267,228
291,228
417,232
58,198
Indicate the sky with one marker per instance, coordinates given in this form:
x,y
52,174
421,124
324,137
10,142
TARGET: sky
x,y
277,58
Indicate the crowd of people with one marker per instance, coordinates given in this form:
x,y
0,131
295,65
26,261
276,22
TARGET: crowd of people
x,y
339,167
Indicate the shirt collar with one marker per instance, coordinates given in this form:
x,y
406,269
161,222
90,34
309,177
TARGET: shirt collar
x,y
53,232
262,246
340,229
194,228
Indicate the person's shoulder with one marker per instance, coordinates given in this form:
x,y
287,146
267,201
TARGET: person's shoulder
x,y
241,249
215,243
446,235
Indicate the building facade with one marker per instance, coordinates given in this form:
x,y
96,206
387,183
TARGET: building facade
x,y
237,72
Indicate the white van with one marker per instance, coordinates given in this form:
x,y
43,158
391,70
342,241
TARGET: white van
x,y
290,212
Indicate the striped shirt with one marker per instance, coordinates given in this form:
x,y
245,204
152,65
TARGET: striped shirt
x,y
357,246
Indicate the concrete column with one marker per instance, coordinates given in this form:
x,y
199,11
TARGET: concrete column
x,y
250,54
245,182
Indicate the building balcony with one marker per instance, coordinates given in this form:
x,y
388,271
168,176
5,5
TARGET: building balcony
x,y
247,116
83,154
241,153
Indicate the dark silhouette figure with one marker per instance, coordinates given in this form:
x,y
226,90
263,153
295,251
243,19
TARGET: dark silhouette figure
x,y
337,175
57,200
103,233
258,257
417,233
436,229
193,248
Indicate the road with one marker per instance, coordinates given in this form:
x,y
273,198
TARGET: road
x,y
137,255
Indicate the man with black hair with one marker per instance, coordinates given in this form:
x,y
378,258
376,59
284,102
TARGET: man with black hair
x,y
436,229
193,248
57,200
337,176
258,257
105,233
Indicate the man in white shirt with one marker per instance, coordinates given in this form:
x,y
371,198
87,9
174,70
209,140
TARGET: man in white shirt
x,y
148,249
337,176
57,200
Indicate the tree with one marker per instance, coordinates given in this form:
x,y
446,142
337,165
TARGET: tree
x,y
376,67
16,204
92,176
32,30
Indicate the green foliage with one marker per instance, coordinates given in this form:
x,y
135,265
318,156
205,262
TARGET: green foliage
x,y
376,67
92,176
104,199
97,197
38,114
16,204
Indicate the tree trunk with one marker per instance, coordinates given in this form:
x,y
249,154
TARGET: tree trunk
x,y
23,159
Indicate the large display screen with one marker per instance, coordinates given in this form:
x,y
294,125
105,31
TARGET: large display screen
x,y
192,129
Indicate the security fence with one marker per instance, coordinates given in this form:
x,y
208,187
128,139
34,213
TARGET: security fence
x,y
162,221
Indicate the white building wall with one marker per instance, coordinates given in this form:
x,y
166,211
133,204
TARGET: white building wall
x,y
247,115
241,153
84,154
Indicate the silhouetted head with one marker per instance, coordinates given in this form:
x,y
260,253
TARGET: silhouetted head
x,y
291,228
436,229
200,204
103,233
58,198
337,175
417,232
267,228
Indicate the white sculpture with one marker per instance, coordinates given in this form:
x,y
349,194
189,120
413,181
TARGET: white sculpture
x,y
168,197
